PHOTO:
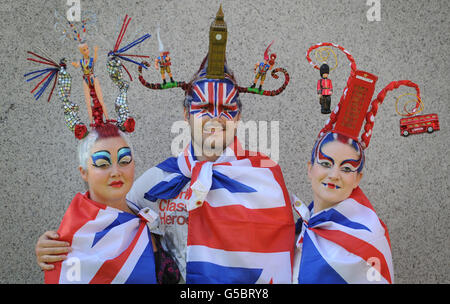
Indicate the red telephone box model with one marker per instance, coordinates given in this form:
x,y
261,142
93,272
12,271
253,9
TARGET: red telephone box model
x,y
419,124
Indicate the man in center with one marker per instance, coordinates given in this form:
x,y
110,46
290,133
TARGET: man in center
x,y
225,213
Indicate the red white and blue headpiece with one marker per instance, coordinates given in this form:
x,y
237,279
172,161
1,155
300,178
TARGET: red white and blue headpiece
x,y
214,74
353,109
63,82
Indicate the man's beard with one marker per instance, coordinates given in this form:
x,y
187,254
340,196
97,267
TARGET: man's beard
x,y
214,137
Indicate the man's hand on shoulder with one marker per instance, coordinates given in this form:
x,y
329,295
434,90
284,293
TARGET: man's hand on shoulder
x,y
50,250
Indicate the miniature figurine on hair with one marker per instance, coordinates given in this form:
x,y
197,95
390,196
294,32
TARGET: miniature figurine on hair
x,y
323,51
91,85
325,89
261,68
162,62
342,240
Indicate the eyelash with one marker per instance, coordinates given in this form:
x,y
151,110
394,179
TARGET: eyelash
x,y
346,170
104,165
225,108
124,162
325,164
328,165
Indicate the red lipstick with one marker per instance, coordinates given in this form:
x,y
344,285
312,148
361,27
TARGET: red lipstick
x,y
331,186
116,184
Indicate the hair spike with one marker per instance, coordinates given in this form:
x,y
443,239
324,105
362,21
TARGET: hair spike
x,y
266,52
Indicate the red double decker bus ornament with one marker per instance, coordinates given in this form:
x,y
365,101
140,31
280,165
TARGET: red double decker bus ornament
x,y
419,124
361,87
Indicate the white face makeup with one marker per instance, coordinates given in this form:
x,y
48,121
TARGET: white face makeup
x,y
110,171
334,175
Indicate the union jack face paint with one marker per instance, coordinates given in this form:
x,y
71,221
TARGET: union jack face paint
x,y
214,98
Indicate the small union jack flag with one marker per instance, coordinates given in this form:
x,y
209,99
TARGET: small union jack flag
x,y
214,98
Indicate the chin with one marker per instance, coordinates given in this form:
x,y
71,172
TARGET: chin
x,y
335,199
117,194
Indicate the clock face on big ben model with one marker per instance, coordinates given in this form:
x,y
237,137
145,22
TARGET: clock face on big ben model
x,y
218,37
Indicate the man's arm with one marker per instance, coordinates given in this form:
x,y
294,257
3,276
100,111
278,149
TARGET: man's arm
x,y
50,250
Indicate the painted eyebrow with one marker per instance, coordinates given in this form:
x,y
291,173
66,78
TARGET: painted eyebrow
x,y
352,162
102,154
322,155
232,105
124,151
201,103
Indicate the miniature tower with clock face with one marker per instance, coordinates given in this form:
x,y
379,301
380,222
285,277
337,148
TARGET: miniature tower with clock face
x,y
217,47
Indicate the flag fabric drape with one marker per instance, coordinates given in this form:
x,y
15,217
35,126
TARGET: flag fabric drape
x,y
240,227
108,246
347,243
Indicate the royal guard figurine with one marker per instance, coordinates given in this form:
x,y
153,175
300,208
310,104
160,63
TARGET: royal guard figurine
x,y
325,89
163,61
263,67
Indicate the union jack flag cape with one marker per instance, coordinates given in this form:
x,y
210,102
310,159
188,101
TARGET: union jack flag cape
x,y
241,227
108,246
347,243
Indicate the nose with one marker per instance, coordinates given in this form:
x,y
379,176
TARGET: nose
x,y
115,170
215,119
334,173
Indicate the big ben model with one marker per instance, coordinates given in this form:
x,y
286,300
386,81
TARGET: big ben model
x,y
217,46
214,69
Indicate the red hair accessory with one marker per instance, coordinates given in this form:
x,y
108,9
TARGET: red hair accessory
x,y
266,52
352,110
360,88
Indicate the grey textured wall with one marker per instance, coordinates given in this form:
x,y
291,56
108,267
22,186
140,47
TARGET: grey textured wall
x,y
406,179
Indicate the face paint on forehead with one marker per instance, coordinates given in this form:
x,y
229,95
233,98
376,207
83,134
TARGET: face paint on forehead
x,y
214,98
319,156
